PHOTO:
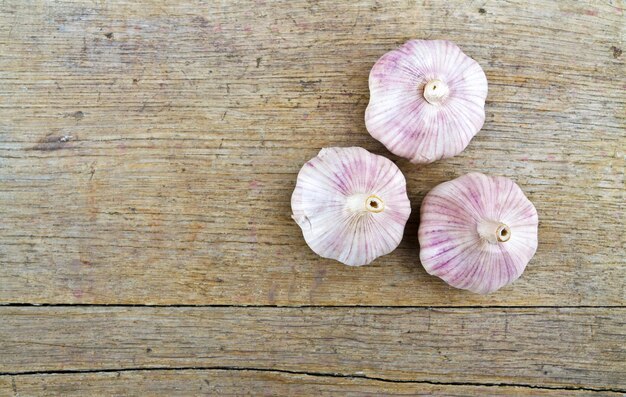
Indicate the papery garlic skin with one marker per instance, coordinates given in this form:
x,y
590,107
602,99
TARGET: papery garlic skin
x,y
427,100
351,205
477,232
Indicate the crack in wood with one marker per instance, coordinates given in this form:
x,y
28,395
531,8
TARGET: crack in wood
x,y
308,373
147,305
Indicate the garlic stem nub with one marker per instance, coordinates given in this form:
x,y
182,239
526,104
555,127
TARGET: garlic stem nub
x,y
361,203
374,204
503,234
436,91
494,232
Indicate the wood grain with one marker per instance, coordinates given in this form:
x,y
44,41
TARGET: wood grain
x,y
247,383
148,149
538,347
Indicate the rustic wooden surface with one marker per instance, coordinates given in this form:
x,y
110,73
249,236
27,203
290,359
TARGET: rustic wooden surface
x,y
148,151
548,347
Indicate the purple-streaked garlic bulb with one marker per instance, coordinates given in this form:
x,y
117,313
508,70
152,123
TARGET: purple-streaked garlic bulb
x,y
351,205
477,232
427,100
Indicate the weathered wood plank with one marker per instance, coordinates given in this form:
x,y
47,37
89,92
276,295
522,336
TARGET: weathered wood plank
x,y
148,149
244,382
542,347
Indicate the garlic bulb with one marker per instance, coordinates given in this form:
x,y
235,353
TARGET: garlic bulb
x,y
477,232
427,100
351,205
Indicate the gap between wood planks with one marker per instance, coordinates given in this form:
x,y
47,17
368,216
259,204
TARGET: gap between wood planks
x,y
25,304
318,374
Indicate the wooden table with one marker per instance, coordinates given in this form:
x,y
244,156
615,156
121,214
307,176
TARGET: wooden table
x,y
148,151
